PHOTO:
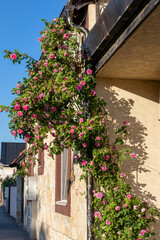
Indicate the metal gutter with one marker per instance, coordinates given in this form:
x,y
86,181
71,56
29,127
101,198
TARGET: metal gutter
x,y
116,17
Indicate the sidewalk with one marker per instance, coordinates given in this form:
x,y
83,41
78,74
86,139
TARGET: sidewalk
x,y
9,230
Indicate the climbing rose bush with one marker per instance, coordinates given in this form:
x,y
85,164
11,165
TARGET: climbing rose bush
x,y
58,98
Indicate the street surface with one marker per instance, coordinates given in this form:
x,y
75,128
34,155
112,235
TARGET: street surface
x,y
9,230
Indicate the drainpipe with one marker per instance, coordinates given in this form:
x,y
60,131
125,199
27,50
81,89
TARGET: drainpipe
x,y
69,9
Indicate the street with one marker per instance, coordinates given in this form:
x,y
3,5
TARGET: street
x,y
9,230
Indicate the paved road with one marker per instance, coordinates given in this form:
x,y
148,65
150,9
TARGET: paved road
x,y
9,230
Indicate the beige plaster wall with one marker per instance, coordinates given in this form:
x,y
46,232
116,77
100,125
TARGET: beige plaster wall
x,y
54,226
137,101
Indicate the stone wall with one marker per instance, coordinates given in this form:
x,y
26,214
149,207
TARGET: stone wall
x,y
55,226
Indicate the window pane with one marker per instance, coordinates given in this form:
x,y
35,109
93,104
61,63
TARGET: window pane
x,y
64,174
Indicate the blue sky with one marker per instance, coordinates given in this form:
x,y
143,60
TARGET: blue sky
x,y
20,25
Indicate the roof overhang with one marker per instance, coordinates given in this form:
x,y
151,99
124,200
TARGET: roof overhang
x,y
17,160
115,19
136,54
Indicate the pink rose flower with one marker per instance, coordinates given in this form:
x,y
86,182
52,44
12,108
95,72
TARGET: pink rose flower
x,y
41,95
65,54
14,133
55,70
45,64
20,131
19,113
90,128
97,144
32,162
17,107
125,205
64,89
28,136
97,214
93,93
34,116
91,121
106,157
18,91
98,138
18,85
53,109
99,195
39,39
84,163
71,130
26,107
117,208
108,222
104,168
122,175
45,146
125,123
83,83
89,71
23,164
78,87
81,120
63,116
135,207
40,72
143,210
76,157
91,163
129,196
51,56
13,56
147,230
132,155
54,20
81,134
84,145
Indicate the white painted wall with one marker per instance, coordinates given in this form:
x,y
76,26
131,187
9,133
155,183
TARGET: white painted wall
x,y
13,201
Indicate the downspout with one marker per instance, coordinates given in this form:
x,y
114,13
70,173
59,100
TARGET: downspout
x,y
89,184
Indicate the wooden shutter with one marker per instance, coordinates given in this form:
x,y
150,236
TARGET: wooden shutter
x,y
41,162
31,169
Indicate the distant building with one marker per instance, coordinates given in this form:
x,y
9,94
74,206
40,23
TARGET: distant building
x,y
10,151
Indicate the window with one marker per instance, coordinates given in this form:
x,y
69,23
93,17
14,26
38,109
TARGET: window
x,y
62,188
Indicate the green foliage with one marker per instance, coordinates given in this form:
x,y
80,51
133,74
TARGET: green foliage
x,y
8,181
53,100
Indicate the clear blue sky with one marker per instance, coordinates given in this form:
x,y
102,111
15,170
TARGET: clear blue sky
x,y
20,24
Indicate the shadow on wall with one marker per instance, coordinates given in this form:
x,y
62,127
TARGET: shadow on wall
x,y
120,109
42,234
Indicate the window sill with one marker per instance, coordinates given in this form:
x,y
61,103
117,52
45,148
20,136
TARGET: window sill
x,y
62,203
